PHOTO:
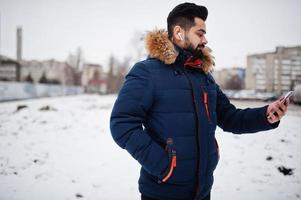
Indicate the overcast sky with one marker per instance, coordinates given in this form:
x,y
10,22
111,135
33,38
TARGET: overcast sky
x,y
54,28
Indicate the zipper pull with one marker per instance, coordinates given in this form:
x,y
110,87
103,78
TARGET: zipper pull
x,y
205,98
169,141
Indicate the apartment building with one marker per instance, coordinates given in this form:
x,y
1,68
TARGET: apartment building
x,y
276,72
52,70
9,69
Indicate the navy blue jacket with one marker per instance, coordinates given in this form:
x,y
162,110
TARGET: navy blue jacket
x,y
165,116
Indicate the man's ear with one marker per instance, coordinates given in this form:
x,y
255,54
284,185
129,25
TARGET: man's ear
x,y
178,33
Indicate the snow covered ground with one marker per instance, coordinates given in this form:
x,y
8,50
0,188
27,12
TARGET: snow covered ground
x,y
61,148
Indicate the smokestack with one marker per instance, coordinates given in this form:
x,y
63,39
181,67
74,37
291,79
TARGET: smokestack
x,y
19,43
19,52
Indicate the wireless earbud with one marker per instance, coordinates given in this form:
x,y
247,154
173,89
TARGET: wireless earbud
x,y
180,35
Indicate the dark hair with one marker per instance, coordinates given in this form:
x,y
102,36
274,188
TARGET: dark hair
x,y
184,14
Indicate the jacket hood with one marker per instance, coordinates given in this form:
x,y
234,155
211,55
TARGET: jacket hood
x,y
159,46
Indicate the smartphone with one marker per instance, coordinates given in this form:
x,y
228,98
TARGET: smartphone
x,y
288,95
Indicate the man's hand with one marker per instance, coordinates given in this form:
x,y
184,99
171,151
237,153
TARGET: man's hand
x,y
277,110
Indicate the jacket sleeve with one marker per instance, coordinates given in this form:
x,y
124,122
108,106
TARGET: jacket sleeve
x,y
128,115
232,119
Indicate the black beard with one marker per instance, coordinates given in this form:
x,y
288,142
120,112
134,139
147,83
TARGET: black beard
x,y
197,53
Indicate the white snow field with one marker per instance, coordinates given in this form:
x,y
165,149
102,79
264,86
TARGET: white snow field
x,y
65,151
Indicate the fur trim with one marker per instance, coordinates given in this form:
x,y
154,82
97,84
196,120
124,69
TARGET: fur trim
x,y
208,60
160,47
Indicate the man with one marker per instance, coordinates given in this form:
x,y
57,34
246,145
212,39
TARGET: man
x,y
166,113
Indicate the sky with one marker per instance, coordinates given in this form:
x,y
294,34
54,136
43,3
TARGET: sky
x,y
55,28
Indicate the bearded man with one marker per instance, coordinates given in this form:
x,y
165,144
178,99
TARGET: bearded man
x,y
167,111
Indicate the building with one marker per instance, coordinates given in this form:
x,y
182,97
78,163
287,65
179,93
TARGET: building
x,y
93,78
49,71
9,69
276,72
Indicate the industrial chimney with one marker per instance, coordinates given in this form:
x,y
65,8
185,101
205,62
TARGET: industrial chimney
x,y
19,52
19,43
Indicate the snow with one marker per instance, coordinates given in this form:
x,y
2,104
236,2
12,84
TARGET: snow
x,y
67,152
249,164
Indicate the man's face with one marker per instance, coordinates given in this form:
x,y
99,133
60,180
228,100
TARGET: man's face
x,y
195,39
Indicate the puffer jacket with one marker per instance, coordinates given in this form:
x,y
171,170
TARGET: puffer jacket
x,y
165,116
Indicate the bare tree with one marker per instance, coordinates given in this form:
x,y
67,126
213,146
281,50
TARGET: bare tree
x,y
111,75
116,74
234,83
76,60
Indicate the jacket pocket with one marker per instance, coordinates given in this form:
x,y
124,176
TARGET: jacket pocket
x,y
172,161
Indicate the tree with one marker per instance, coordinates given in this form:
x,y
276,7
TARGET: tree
x,y
76,60
29,78
111,75
234,83
43,78
116,74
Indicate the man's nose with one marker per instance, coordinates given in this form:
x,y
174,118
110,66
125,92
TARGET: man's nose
x,y
204,40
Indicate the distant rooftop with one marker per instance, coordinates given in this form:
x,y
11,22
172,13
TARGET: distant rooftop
x,y
7,59
278,50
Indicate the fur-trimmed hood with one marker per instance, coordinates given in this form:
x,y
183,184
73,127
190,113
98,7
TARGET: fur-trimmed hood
x,y
160,47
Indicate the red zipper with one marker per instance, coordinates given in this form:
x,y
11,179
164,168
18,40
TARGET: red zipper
x,y
172,166
205,98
